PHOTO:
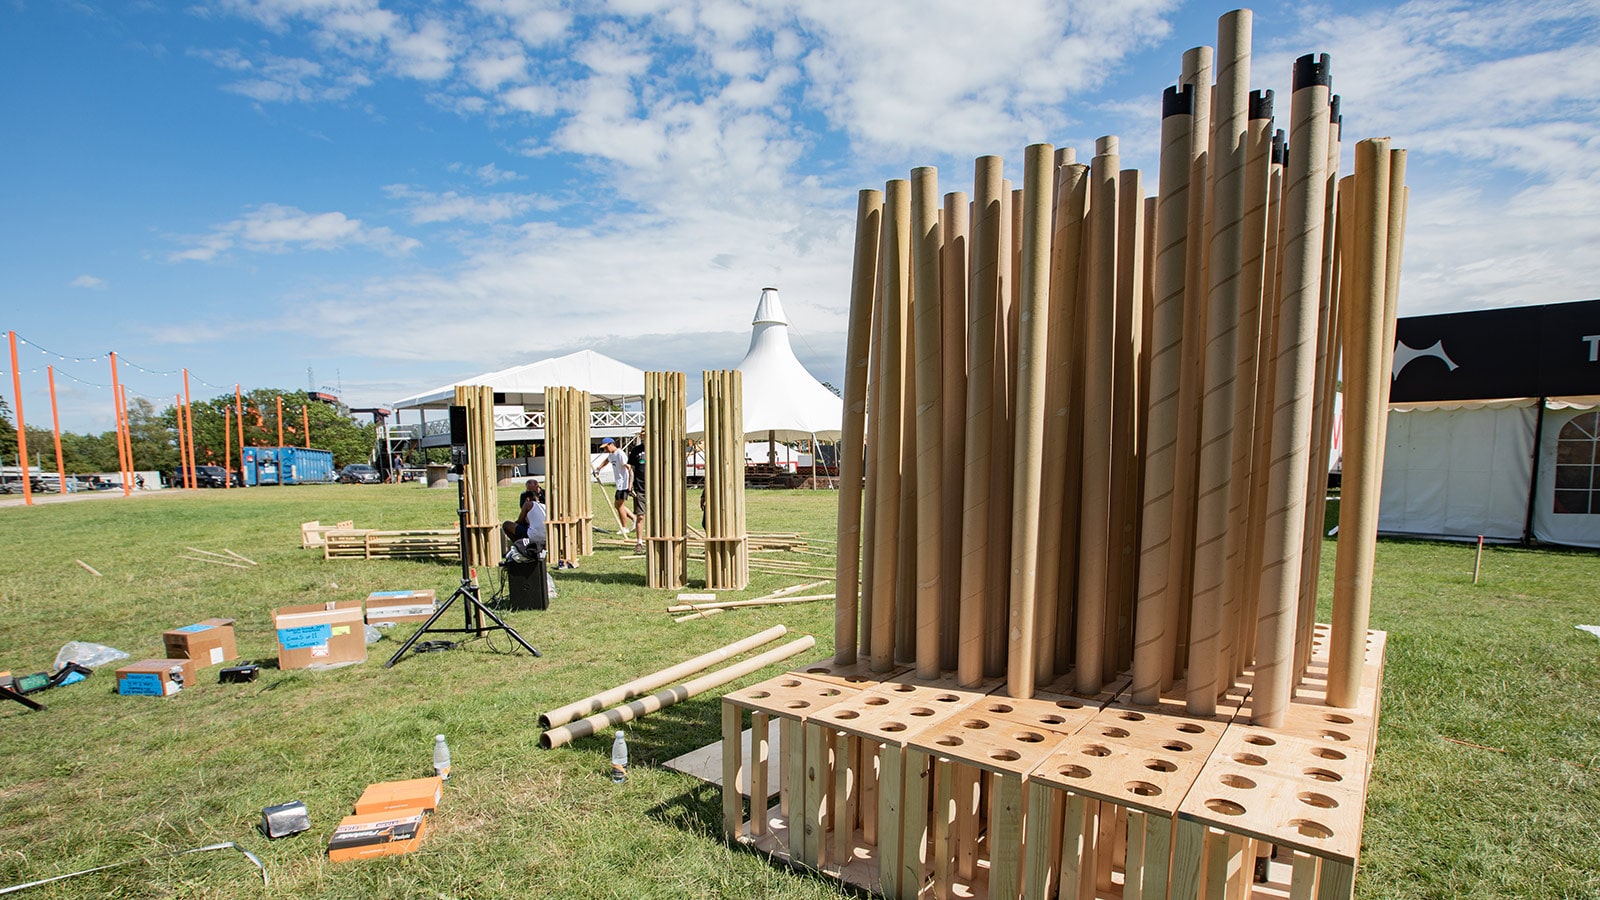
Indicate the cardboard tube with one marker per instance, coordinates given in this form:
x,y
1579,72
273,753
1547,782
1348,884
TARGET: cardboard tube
x,y
1032,365
1152,664
1100,337
561,715
662,699
1209,633
983,305
953,312
995,600
929,421
1365,390
1056,459
893,287
1305,186
852,442
1127,390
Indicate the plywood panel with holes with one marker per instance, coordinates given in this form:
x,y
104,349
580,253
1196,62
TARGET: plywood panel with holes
x,y
789,697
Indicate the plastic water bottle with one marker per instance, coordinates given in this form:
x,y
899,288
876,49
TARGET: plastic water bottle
x,y
441,757
619,759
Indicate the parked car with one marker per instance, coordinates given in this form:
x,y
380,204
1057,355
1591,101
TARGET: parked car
x,y
359,473
205,476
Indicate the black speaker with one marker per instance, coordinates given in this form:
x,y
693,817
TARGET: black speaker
x,y
526,586
458,426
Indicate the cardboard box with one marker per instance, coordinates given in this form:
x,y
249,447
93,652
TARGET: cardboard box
x,y
208,643
399,606
377,834
320,634
391,796
155,677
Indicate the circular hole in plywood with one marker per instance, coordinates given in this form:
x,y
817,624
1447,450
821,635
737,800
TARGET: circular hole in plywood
x,y
920,711
1320,801
1338,719
1224,807
1323,774
877,701
1249,759
1052,719
1238,781
1130,716
758,695
1260,740
1114,732
1028,737
858,679
845,714
948,740
1310,829
1142,789
1161,765
975,724
1096,750
893,726
1327,753
947,698
1191,728
1005,755
1073,772
1069,704
1177,746
789,683
1335,735
831,692
904,688
797,704
819,670
999,707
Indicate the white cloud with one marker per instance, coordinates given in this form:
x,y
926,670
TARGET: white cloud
x,y
488,173
272,228
88,281
427,207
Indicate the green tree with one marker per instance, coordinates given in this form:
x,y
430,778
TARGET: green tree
x,y
332,430
8,432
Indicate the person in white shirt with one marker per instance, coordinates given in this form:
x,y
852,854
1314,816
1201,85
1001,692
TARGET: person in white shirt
x,y
623,475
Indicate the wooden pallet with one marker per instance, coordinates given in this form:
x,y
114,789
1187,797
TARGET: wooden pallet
x,y
311,533
359,543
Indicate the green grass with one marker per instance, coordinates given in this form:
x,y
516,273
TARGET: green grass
x,y
100,778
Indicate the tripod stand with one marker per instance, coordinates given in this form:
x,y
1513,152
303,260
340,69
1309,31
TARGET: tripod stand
x,y
472,607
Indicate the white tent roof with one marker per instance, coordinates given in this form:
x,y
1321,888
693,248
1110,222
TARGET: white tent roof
x,y
780,396
603,377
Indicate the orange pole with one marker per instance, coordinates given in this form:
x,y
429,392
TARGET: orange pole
x,y
116,408
280,421
55,425
22,435
238,422
305,425
188,425
126,443
227,447
183,450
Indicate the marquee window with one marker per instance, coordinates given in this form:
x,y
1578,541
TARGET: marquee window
x,y
1578,466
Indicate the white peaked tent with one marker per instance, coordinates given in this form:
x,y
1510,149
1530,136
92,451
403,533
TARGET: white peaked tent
x,y
781,398
603,377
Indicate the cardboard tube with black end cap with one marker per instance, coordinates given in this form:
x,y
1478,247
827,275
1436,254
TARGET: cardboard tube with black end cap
x,y
982,307
893,287
1152,662
928,370
1294,374
565,734
852,441
953,388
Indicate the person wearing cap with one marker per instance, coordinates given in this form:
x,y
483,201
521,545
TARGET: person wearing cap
x,y
623,475
636,463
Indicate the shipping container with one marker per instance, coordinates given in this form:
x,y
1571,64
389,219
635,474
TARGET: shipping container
x,y
287,465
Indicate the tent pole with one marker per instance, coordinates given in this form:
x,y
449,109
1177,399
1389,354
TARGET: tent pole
x,y
1533,476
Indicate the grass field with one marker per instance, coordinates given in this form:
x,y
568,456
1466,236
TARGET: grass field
x,y
99,778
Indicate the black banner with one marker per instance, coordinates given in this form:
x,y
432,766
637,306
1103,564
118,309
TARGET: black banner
x,y
1524,351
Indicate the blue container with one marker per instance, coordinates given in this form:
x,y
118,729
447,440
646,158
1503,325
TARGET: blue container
x,y
301,465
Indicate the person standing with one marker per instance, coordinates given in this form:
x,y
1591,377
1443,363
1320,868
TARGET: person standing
x,y
636,464
622,474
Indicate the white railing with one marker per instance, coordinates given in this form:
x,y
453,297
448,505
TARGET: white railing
x,y
599,421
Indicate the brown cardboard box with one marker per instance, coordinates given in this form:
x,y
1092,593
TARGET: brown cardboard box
x,y
155,677
208,643
399,606
390,796
377,834
320,634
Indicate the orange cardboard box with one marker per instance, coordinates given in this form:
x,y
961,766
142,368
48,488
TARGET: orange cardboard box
x,y
208,643
155,677
377,834
320,635
390,796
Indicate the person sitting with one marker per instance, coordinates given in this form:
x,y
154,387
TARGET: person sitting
x,y
528,531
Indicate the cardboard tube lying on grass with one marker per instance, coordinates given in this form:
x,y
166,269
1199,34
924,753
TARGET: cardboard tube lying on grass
x,y
557,737
564,714
759,601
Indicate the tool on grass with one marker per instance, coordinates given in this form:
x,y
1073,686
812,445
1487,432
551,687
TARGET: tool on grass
x,y
226,845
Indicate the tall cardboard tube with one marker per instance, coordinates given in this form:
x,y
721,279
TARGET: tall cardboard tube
x,y
953,311
565,734
929,372
893,287
1127,391
561,715
982,308
1032,365
852,441
1100,336
1304,198
1152,663
1366,386
996,599
1209,633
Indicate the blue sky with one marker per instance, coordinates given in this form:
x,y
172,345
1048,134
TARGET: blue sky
x,y
397,194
